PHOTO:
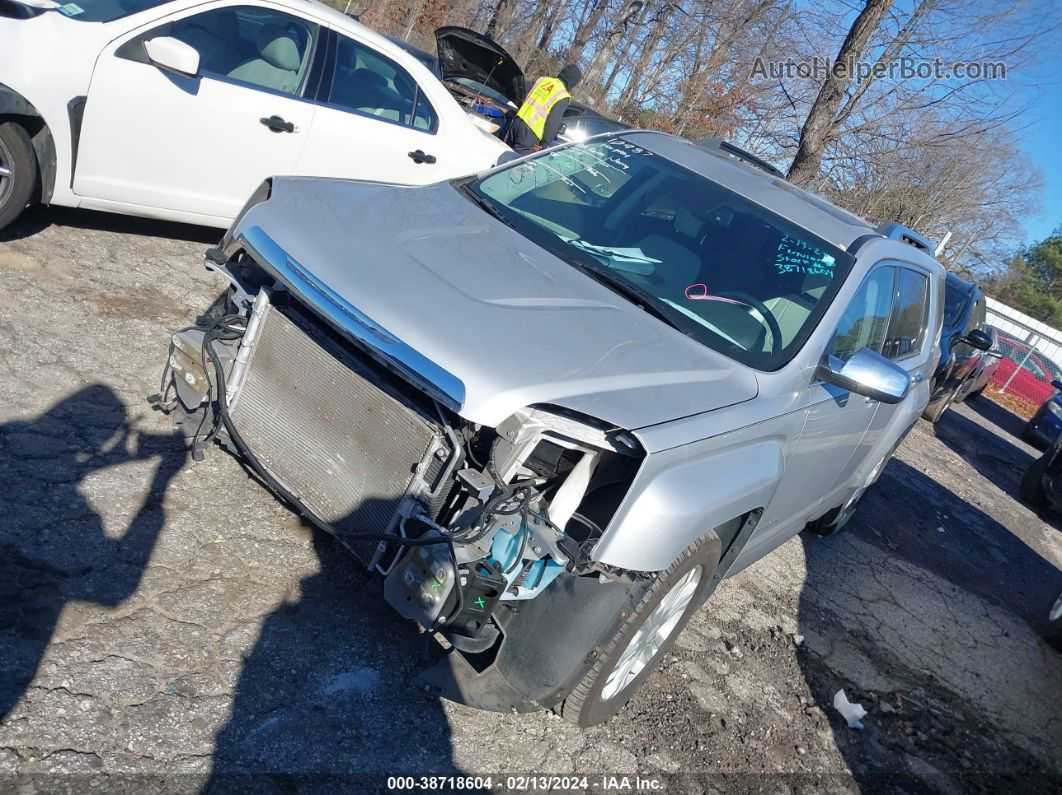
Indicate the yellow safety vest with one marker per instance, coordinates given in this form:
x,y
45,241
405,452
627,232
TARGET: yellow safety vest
x,y
545,93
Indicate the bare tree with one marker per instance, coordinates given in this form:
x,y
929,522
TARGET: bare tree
x,y
822,122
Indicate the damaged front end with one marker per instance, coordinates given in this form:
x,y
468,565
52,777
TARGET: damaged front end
x,y
483,535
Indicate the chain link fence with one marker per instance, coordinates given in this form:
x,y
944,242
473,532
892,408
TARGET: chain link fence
x,y
1029,353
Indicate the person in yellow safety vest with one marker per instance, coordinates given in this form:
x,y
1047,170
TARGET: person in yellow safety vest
x,y
539,119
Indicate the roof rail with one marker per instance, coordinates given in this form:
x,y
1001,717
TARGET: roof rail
x,y
727,148
894,230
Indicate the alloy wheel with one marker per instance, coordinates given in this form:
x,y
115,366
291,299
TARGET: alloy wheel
x,y
7,175
653,633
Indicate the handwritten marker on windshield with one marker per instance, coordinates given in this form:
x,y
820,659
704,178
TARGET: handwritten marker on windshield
x,y
699,292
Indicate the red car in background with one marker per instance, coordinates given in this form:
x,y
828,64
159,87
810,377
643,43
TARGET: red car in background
x,y
1035,372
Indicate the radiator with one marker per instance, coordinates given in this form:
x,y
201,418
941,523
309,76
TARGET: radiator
x,y
312,413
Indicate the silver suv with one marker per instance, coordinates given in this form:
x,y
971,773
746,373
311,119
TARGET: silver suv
x,y
553,405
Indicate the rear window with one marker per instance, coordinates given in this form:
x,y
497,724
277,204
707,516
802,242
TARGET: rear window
x,y
105,10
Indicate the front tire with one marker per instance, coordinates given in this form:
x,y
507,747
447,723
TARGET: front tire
x,y
936,408
1032,483
645,635
1053,629
18,171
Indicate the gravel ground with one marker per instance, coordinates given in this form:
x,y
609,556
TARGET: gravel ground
x,y
168,625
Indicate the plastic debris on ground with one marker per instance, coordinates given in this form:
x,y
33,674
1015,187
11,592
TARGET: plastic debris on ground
x,y
853,713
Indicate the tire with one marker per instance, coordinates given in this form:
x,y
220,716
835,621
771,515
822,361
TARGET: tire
x,y
1032,487
1053,627
936,408
834,521
607,687
20,164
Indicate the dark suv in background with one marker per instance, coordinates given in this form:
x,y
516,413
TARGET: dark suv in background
x,y
964,343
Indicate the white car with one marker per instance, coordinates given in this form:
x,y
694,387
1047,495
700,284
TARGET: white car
x,y
178,109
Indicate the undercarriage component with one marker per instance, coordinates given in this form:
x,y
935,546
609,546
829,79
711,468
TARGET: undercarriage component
x,y
421,585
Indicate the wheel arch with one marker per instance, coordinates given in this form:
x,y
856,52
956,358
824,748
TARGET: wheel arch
x,y
15,107
674,503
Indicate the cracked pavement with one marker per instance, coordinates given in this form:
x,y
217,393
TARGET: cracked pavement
x,y
167,625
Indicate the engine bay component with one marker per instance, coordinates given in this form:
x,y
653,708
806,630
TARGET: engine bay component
x,y
421,585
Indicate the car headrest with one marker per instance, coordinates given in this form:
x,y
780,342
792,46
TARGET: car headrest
x,y
279,48
222,23
368,80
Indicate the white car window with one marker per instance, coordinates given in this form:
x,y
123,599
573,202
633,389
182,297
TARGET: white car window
x,y
253,45
364,81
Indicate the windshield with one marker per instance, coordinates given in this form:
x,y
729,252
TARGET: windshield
x,y
105,10
955,301
723,270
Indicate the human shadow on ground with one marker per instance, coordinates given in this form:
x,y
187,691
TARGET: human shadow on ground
x,y
880,630
53,547
325,701
39,217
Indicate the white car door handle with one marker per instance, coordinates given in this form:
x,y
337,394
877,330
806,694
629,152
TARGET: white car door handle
x,y
277,124
418,156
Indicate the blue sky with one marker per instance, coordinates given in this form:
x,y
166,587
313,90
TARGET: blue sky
x,y
1042,140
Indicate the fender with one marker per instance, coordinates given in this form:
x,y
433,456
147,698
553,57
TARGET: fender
x,y
14,104
674,501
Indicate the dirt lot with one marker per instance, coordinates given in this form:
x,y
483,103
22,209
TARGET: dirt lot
x,y
165,625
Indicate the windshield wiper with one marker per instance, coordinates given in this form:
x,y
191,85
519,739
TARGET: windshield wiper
x,y
486,205
632,292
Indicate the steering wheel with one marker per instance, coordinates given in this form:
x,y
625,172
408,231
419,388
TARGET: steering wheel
x,y
766,318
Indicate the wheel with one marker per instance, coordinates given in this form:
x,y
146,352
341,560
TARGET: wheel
x,y
18,171
644,636
1053,629
936,408
835,520
1032,486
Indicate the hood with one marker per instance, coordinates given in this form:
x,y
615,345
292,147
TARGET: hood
x,y
465,53
502,323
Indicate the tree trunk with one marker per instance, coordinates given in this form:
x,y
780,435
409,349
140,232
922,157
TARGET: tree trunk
x,y
492,24
551,28
534,30
585,31
608,44
637,74
821,123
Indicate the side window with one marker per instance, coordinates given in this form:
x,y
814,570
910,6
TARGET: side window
x,y
259,46
908,321
366,82
866,319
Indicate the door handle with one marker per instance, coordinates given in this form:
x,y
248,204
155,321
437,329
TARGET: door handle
x,y
418,156
277,124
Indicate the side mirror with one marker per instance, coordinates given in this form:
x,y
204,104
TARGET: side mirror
x,y
978,338
1057,384
867,373
173,54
